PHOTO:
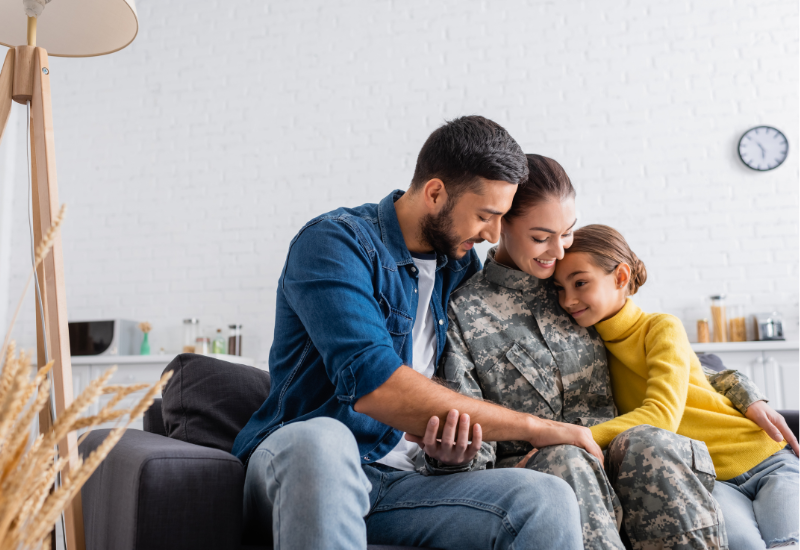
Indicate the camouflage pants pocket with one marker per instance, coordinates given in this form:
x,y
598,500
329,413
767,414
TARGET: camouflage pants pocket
x,y
662,480
703,465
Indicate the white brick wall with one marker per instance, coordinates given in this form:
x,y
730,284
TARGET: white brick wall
x,y
191,158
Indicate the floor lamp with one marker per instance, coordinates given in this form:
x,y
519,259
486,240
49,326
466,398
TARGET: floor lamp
x,y
65,28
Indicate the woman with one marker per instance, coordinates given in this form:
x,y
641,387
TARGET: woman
x,y
509,342
657,380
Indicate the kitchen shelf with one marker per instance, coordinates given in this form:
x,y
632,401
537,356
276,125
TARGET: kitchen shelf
x,y
148,359
765,345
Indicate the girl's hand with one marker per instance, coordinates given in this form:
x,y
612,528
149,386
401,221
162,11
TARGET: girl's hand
x,y
773,423
452,449
524,462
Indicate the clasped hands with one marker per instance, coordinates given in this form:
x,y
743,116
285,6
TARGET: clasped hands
x,y
455,447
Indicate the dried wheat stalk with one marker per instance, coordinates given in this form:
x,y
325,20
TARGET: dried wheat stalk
x,y
29,507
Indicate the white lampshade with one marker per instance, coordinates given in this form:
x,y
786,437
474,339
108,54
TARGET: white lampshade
x,y
72,28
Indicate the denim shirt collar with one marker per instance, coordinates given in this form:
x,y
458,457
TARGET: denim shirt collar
x,y
392,235
507,277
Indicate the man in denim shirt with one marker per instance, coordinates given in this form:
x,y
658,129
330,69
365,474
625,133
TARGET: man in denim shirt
x,y
346,383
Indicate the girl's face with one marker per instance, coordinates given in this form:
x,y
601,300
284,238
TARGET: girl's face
x,y
588,293
533,241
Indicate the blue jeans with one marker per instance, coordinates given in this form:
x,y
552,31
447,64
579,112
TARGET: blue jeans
x,y
306,486
760,506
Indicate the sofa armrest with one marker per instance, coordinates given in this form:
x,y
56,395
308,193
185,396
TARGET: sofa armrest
x,y
154,493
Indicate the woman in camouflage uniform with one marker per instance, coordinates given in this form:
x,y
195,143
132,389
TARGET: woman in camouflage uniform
x,y
509,342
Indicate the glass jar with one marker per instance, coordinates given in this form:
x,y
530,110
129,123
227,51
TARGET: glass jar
x,y
703,334
202,345
719,321
191,330
218,344
235,340
737,325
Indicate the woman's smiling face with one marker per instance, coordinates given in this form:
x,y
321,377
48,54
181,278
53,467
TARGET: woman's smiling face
x,y
534,240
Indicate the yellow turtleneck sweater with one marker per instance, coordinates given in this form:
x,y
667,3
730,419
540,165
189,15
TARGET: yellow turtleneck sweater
x,y
657,379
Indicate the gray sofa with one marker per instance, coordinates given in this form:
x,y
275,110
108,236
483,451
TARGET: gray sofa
x,y
175,485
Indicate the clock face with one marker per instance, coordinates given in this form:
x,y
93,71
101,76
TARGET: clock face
x,y
763,148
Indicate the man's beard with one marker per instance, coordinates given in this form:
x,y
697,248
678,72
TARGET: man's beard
x,y
437,231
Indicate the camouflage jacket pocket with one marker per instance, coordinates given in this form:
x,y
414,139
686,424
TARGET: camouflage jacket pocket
x,y
542,382
703,465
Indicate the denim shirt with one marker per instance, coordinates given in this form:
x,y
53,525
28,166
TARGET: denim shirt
x,y
346,304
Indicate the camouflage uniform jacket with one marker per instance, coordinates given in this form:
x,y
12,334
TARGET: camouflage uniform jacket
x,y
509,342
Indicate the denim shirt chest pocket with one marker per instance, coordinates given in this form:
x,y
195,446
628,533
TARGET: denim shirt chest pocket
x,y
399,325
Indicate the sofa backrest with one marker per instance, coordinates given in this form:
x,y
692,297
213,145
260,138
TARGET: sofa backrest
x,y
207,401
152,420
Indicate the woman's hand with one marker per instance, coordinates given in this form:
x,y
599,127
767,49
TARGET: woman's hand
x,y
454,448
773,423
548,432
524,462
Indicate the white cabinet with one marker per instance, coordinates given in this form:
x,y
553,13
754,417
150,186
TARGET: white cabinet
x,y
131,369
773,366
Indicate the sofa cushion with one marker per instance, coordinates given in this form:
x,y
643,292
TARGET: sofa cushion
x,y
207,401
711,361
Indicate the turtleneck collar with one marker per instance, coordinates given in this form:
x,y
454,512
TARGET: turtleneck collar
x,y
514,279
620,324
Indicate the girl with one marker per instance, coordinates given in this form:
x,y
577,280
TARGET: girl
x,y
508,341
657,380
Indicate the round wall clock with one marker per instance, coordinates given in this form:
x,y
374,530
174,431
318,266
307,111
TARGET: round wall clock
x,y
763,148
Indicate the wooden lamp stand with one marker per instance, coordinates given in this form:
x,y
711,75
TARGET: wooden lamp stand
x,y
26,77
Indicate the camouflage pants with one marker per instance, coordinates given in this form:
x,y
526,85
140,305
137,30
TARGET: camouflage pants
x,y
661,480
664,482
601,512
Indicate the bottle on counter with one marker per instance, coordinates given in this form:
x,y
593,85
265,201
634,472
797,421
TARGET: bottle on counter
x,y
235,340
703,334
202,345
719,321
218,343
191,330
737,325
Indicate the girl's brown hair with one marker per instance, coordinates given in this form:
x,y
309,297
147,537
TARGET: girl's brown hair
x,y
546,180
608,248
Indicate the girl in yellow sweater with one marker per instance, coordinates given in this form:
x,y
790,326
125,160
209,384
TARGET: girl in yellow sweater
x,y
657,380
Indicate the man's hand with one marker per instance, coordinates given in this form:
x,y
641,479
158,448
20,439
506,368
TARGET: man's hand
x,y
773,423
449,450
549,432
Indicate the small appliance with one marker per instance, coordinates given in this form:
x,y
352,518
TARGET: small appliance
x,y
769,326
109,337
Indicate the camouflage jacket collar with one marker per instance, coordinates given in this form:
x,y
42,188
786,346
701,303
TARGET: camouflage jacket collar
x,y
505,276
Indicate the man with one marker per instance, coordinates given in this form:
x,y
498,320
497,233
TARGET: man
x,y
360,326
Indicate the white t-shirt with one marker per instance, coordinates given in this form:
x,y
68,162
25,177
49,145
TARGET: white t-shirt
x,y
423,336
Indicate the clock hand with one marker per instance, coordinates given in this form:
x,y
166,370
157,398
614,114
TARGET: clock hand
x,y
762,150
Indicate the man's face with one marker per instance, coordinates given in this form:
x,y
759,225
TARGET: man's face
x,y
471,218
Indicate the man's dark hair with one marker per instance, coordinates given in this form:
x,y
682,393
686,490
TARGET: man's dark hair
x,y
466,148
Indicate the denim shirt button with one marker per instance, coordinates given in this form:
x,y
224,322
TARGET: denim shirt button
x,y
413,270
441,321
